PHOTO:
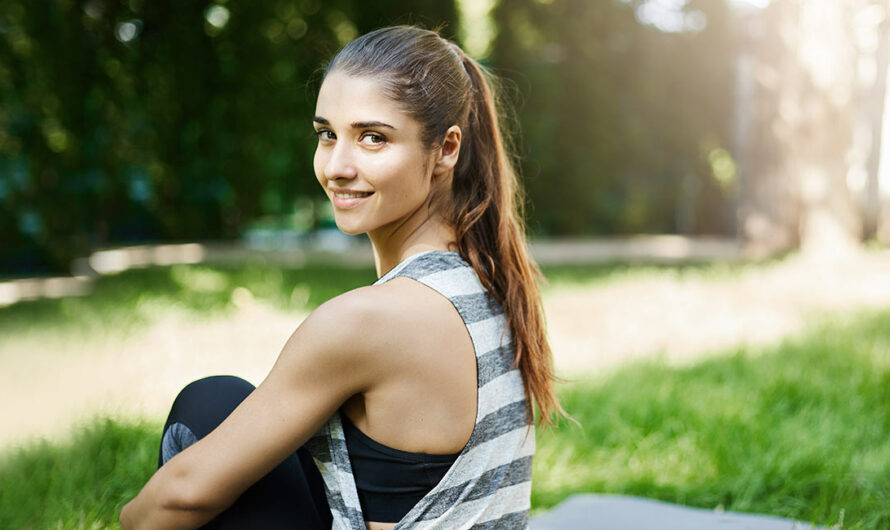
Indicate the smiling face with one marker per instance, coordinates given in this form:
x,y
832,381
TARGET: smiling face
x,y
370,159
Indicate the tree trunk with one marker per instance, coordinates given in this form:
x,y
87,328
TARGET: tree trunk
x,y
803,109
873,41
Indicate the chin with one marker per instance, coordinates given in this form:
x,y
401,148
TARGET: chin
x,y
349,230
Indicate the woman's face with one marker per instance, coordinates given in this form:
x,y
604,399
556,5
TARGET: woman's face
x,y
370,159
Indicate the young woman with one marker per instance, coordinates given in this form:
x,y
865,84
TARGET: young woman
x,y
407,403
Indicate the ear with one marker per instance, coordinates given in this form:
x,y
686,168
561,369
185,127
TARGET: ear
x,y
448,151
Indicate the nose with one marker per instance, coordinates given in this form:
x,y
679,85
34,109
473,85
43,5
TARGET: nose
x,y
340,163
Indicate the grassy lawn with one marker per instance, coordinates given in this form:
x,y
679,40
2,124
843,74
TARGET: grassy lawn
x,y
81,484
801,430
135,298
798,430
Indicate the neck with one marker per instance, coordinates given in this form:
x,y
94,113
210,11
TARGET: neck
x,y
409,238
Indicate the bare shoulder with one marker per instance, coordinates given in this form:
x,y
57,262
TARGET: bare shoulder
x,y
377,336
374,321
338,340
421,321
390,317
370,312
412,302
376,307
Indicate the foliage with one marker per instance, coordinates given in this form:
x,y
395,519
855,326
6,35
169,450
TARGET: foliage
x,y
128,121
131,121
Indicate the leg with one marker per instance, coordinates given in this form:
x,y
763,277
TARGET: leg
x,y
290,496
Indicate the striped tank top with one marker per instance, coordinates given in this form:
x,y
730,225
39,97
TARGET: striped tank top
x,y
489,484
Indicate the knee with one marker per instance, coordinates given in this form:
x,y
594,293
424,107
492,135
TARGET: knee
x,y
205,403
215,387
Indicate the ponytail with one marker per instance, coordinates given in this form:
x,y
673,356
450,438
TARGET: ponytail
x,y
488,207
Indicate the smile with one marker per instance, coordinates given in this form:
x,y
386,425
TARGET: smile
x,y
353,195
345,201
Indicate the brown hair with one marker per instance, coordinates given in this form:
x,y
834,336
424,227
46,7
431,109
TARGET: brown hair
x,y
440,86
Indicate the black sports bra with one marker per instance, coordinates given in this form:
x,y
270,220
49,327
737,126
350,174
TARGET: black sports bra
x,y
390,481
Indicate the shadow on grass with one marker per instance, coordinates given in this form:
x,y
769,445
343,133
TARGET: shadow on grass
x,y
801,430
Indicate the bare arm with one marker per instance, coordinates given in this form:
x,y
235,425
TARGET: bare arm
x,y
329,358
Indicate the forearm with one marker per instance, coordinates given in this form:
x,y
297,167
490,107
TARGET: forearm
x,y
161,504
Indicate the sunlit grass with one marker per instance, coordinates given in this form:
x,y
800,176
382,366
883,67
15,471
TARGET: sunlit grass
x,y
799,430
604,273
135,298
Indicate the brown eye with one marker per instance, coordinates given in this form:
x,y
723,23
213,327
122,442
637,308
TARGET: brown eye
x,y
325,135
373,138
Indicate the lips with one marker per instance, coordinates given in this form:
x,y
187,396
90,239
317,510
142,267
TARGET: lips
x,y
345,200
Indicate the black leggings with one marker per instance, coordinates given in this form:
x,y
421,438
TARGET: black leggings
x,y
290,496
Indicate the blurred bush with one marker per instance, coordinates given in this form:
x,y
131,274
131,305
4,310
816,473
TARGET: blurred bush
x,y
133,121
126,121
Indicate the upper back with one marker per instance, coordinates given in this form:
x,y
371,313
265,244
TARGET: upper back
x,y
491,479
423,395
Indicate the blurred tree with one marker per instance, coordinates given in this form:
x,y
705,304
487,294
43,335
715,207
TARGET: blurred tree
x,y
815,127
624,122
126,120
872,28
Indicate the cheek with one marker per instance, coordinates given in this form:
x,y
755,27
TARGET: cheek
x,y
402,169
318,163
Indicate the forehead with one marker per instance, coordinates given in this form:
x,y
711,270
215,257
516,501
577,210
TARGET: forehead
x,y
345,98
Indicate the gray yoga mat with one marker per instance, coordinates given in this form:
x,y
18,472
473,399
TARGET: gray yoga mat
x,y
620,512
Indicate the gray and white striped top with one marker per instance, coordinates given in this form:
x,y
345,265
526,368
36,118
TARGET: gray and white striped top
x,y
489,485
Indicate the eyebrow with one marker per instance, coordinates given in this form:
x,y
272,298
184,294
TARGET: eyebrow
x,y
357,124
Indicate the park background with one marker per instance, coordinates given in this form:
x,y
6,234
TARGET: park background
x,y
708,191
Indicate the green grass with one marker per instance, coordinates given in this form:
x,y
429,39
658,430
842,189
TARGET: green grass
x,y
136,298
801,430
133,299
604,273
81,484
